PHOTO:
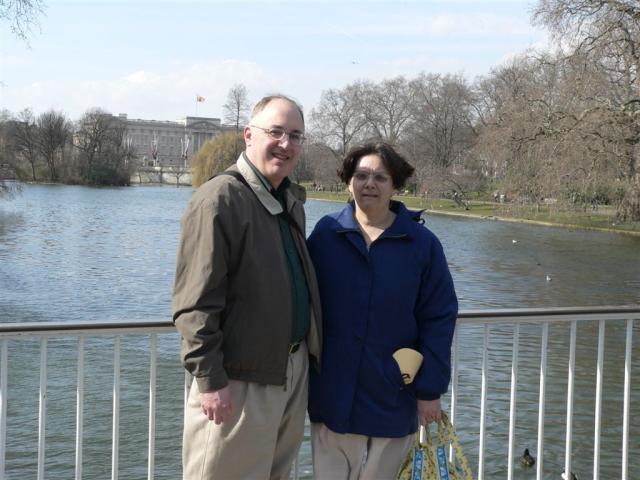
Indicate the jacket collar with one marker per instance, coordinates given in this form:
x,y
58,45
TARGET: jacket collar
x,y
401,227
265,197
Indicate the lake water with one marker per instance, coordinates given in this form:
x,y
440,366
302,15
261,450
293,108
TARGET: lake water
x,y
75,253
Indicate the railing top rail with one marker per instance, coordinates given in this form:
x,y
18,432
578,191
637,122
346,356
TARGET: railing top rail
x,y
540,315
626,310
476,316
114,327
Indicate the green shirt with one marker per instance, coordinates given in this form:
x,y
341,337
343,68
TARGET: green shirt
x,y
299,290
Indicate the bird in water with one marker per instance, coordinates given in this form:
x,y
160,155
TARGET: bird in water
x,y
572,476
549,278
527,459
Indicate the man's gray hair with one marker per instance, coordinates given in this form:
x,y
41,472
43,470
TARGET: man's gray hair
x,y
264,101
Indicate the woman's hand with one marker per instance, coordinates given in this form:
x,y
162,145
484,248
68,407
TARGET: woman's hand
x,y
429,411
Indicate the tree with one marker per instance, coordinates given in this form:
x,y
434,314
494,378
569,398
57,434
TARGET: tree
x,y
54,131
21,15
7,152
441,118
322,163
214,156
525,126
237,107
606,35
177,171
25,137
337,121
386,107
103,152
302,172
509,137
236,110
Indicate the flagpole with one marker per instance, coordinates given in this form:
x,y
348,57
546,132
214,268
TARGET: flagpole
x,y
198,100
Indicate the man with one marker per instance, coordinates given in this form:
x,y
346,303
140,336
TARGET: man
x,y
246,304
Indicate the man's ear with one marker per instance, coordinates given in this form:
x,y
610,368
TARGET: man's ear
x,y
247,136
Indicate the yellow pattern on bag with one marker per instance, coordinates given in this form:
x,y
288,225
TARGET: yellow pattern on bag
x,y
424,457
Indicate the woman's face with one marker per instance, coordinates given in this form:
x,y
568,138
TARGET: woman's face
x,y
371,184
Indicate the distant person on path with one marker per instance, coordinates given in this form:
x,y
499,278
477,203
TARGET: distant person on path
x,y
246,304
384,285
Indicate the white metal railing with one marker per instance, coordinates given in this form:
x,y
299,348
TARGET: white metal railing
x,y
485,319
81,330
545,317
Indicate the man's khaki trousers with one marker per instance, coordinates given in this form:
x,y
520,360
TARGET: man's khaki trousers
x,y
260,440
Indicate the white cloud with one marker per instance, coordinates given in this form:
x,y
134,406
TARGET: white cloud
x,y
543,45
442,25
478,24
13,61
141,94
138,77
383,43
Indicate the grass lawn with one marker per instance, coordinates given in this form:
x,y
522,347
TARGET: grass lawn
x,y
601,219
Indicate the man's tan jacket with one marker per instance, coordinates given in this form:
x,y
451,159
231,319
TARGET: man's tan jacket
x,y
232,294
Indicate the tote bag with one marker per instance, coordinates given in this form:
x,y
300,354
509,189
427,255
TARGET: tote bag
x,y
428,460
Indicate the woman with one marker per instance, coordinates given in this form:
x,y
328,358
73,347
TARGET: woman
x,y
384,285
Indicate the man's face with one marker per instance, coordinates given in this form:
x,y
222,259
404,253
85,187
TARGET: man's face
x,y
275,159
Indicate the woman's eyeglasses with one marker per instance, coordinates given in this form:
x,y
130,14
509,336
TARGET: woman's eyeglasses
x,y
364,175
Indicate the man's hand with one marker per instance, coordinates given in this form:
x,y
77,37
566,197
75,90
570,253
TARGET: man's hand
x,y
217,405
429,411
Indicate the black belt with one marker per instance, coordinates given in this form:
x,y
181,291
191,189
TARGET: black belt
x,y
293,347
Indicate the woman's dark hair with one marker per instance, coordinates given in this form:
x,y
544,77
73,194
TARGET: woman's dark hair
x,y
398,167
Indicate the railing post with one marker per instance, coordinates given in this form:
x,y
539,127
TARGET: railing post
x,y
79,407
572,369
454,386
598,412
512,402
541,398
296,466
627,402
187,385
4,369
483,401
42,409
152,406
115,436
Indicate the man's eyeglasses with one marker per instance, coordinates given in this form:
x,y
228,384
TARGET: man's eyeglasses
x,y
364,175
278,133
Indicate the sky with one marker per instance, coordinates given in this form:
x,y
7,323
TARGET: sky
x,y
150,59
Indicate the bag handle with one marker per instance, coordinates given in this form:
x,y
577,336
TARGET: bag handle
x,y
446,435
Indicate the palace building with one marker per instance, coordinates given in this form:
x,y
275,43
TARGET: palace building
x,y
159,143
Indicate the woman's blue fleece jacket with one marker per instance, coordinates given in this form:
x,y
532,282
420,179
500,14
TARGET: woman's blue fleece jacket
x,y
398,293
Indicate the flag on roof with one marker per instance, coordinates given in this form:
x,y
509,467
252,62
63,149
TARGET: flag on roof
x,y
199,98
